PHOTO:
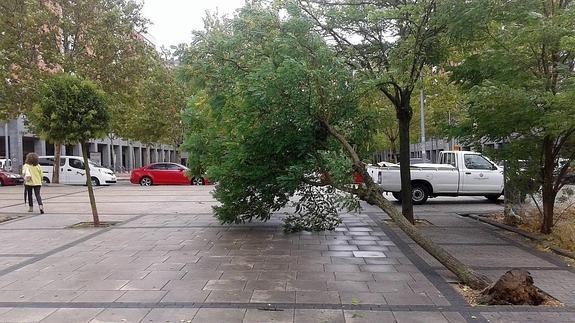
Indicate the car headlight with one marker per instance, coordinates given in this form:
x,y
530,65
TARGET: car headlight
x,y
13,176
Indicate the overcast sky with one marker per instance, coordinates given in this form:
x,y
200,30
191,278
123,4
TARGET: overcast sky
x,y
173,20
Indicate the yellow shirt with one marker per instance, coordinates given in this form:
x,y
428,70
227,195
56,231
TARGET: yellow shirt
x,y
35,172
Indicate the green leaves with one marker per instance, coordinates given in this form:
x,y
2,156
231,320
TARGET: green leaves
x,y
70,110
263,82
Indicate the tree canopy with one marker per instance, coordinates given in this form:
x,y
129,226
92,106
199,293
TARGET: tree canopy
x,y
520,78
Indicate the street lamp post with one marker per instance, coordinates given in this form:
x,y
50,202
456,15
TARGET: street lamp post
x,y
422,118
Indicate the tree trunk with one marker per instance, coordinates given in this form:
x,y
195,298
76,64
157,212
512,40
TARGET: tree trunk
x,y
89,184
404,118
468,276
548,193
372,194
56,172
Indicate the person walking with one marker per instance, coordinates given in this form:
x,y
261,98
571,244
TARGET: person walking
x,y
32,181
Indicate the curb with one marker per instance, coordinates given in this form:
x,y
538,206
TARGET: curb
x,y
559,251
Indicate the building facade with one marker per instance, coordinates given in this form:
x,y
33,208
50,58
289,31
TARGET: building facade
x,y
117,154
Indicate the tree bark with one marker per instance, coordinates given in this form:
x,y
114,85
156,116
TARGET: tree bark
x,y
56,171
549,193
89,184
404,118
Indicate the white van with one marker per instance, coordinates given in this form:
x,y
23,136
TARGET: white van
x,y
72,171
6,164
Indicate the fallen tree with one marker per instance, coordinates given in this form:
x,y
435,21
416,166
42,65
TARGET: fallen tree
x,y
281,112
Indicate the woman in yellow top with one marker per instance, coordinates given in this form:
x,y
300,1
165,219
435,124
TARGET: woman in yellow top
x,y
33,180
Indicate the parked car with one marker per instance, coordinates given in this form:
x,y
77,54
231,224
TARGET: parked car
x,y
72,171
7,178
459,173
165,174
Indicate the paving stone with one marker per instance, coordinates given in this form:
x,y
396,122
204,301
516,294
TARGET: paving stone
x,y
240,275
277,275
352,286
145,285
362,298
72,315
225,285
203,275
33,284
142,296
342,268
317,297
185,285
317,276
306,285
419,317
170,315
184,295
127,275
219,315
270,296
399,298
319,315
121,315
98,296
55,296
278,285
236,296
22,315
364,277
164,275
259,316
105,285
368,317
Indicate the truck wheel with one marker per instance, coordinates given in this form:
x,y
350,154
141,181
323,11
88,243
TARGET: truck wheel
x,y
419,193
493,197
397,195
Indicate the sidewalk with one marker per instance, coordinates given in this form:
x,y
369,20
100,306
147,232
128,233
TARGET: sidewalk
x,y
170,261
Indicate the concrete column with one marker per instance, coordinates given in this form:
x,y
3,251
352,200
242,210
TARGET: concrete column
x,y
138,155
15,131
77,150
147,156
130,161
106,156
155,155
119,156
163,155
40,147
63,150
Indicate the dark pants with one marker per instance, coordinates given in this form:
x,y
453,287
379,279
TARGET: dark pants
x,y
36,189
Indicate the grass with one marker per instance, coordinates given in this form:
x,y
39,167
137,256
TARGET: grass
x,y
563,235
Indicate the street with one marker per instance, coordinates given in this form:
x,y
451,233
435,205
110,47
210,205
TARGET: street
x,y
168,260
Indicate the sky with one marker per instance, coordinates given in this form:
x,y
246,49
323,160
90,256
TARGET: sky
x,y
174,20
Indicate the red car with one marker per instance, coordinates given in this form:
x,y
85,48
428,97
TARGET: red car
x,y
7,178
164,173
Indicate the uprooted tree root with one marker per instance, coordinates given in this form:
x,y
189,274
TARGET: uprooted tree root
x,y
515,287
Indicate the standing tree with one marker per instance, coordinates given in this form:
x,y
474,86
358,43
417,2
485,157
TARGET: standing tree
x,y
71,110
520,74
389,43
100,40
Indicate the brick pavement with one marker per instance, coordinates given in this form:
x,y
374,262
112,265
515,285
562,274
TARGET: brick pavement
x,y
170,261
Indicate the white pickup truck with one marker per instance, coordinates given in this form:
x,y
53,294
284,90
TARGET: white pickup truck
x,y
458,173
